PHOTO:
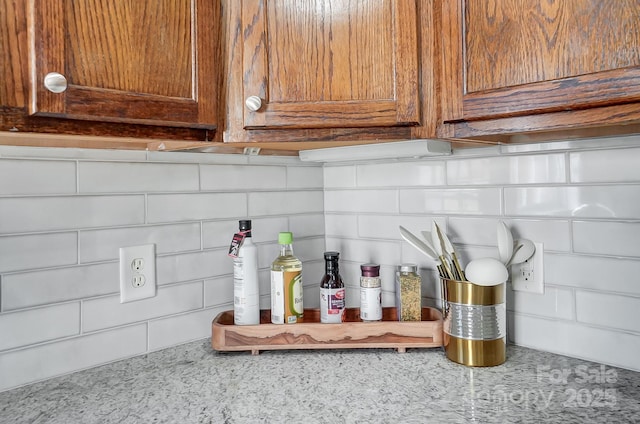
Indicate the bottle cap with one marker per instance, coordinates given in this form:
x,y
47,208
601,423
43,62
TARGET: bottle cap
x,y
285,237
370,270
331,256
409,268
245,225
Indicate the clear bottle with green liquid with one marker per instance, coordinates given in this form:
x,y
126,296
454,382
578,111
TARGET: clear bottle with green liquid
x,y
286,284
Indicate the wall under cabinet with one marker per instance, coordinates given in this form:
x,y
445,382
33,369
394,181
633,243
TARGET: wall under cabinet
x,y
580,198
64,213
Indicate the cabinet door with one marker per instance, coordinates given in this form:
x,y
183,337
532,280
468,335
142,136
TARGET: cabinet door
x,y
132,61
506,58
330,63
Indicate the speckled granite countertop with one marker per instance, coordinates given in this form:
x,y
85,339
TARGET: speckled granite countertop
x,y
193,384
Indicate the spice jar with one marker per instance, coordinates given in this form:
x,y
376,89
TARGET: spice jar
x,y
408,293
370,293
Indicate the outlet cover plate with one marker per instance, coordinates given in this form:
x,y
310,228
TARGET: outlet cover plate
x,y
137,272
529,275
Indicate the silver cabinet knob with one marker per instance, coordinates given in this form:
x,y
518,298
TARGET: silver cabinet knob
x,y
253,103
55,82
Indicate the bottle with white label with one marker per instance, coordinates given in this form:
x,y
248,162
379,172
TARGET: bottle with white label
x,y
332,291
370,293
246,291
287,306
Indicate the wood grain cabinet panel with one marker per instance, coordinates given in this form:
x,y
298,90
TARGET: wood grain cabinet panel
x,y
145,62
330,63
508,59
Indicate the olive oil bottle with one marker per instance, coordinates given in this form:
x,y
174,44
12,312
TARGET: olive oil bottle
x,y
286,284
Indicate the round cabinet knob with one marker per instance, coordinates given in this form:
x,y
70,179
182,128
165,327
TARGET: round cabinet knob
x,y
253,103
55,82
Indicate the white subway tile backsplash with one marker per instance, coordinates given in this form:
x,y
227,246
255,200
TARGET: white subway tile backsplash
x,y
38,251
242,177
304,177
312,273
607,238
306,249
619,312
105,312
531,169
219,233
28,365
312,296
175,330
305,225
341,225
592,272
123,177
555,303
267,229
401,174
387,226
285,202
23,328
554,234
193,266
576,340
364,251
372,201
103,245
26,214
58,285
218,291
196,206
604,201
268,252
479,231
409,254
24,177
339,176
475,201
620,165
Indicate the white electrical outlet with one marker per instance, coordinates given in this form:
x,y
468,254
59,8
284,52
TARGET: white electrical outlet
x,y
529,275
137,272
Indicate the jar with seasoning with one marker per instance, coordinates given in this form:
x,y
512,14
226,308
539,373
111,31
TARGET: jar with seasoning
x,y
370,293
332,291
408,293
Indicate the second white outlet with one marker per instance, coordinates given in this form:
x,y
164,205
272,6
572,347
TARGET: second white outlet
x,y
137,272
529,275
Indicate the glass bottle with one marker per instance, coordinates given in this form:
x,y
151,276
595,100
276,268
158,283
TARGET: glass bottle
x,y
408,293
332,291
287,305
370,293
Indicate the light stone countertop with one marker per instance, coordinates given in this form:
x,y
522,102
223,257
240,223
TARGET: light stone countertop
x,y
194,384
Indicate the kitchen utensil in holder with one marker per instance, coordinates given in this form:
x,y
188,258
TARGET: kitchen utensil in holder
x,y
474,323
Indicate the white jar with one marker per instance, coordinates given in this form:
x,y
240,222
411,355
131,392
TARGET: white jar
x,y
370,293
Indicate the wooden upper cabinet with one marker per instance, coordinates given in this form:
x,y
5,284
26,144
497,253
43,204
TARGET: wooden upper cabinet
x,y
330,63
129,61
510,58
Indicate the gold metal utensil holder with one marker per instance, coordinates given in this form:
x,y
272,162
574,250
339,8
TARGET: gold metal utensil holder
x,y
474,323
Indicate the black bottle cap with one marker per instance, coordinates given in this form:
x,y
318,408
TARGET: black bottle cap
x,y
245,225
330,256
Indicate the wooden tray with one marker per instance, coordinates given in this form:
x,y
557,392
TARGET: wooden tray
x,y
311,334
